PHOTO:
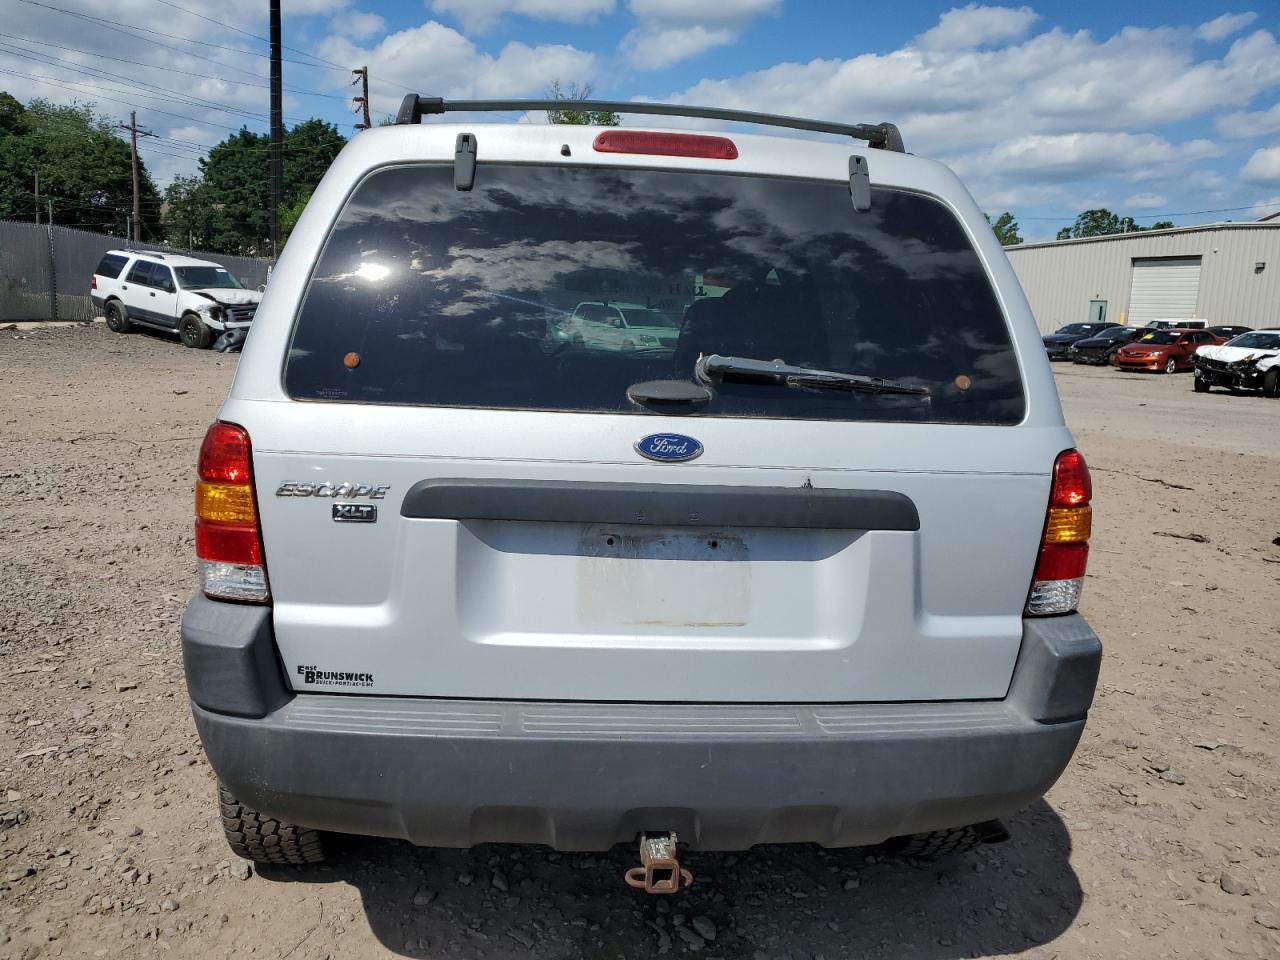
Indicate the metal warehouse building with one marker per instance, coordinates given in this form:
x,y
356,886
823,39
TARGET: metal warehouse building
x,y
1221,272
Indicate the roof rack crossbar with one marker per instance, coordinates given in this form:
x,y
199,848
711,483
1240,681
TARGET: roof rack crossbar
x,y
882,136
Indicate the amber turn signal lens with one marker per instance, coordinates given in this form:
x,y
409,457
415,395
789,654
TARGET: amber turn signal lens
x,y
225,503
1068,525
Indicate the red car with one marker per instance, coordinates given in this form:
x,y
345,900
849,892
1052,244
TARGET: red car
x,y
1164,350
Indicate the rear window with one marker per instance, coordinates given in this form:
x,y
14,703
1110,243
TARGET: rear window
x,y
111,265
557,288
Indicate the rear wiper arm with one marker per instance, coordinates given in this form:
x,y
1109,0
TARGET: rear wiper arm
x,y
713,368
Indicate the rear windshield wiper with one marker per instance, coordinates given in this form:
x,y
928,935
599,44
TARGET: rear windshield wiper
x,y
713,368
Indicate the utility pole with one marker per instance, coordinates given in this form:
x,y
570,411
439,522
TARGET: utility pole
x,y
277,129
132,127
37,198
361,76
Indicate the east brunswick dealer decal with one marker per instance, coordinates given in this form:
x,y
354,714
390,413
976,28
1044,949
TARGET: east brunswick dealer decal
x,y
335,678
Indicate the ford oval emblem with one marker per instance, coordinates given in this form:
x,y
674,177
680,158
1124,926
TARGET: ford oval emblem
x,y
668,447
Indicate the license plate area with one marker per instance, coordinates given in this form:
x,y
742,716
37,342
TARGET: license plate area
x,y
647,577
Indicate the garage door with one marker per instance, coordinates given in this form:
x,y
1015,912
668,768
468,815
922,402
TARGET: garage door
x,y
1164,289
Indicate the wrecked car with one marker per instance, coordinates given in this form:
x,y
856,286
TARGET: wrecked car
x,y
1250,361
196,299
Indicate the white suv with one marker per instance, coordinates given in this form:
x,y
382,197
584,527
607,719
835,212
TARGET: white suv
x,y
194,298
807,573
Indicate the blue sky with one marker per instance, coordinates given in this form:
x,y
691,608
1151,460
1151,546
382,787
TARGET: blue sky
x,y
1044,109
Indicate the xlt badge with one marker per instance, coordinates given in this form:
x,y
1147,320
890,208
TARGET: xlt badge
x,y
355,513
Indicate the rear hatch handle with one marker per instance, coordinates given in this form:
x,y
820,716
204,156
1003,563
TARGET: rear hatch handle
x,y
659,504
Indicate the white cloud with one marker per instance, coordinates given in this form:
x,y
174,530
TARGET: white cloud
x,y
716,13
436,59
1266,208
480,16
675,30
652,48
963,28
1224,26
1078,156
359,24
1244,125
1263,166
1146,201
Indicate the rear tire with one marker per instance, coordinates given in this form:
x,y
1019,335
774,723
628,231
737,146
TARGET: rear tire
x,y
117,317
193,332
264,839
1171,365
1271,383
938,844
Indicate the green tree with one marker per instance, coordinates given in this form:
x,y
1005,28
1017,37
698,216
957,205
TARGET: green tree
x,y
1092,223
188,219
84,167
1006,229
236,191
575,91
289,215
1102,222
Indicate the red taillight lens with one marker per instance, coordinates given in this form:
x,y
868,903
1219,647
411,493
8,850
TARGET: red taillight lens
x,y
1072,486
1062,561
227,544
224,455
1064,544
228,540
666,144
93,282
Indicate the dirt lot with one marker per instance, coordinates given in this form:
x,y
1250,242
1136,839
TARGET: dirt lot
x,y
1161,840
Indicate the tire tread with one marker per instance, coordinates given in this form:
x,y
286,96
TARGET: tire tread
x,y
263,839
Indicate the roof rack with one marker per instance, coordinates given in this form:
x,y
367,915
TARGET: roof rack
x,y
881,136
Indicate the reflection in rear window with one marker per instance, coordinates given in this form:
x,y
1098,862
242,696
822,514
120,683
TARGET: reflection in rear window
x,y
557,288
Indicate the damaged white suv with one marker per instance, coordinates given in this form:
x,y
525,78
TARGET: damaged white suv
x,y
806,570
197,299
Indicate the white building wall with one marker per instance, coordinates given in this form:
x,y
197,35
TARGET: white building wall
x,y
1061,277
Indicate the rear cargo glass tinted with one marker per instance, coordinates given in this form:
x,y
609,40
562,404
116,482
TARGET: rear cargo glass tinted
x,y
557,288
111,265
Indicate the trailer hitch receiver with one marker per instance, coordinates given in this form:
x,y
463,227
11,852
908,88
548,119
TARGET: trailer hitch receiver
x,y
659,870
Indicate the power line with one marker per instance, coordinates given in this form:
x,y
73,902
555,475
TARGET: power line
x,y
96,74
157,66
1157,216
169,3
116,24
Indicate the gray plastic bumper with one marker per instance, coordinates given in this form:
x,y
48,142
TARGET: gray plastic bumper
x,y
584,776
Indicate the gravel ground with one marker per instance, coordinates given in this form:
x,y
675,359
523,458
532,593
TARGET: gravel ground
x,y
1160,840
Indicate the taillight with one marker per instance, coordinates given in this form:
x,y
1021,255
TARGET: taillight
x,y
228,540
1064,546
666,144
93,281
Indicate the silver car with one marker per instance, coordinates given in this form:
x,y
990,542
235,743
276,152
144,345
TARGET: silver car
x,y
806,571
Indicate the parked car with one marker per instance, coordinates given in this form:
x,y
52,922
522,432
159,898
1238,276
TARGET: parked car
x,y
1178,324
810,576
1057,344
1101,349
1163,351
197,299
611,325
1250,361
1226,332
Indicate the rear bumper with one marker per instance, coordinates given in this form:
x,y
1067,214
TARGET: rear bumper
x,y
584,776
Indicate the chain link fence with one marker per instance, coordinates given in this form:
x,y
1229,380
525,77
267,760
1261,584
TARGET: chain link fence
x,y
45,270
